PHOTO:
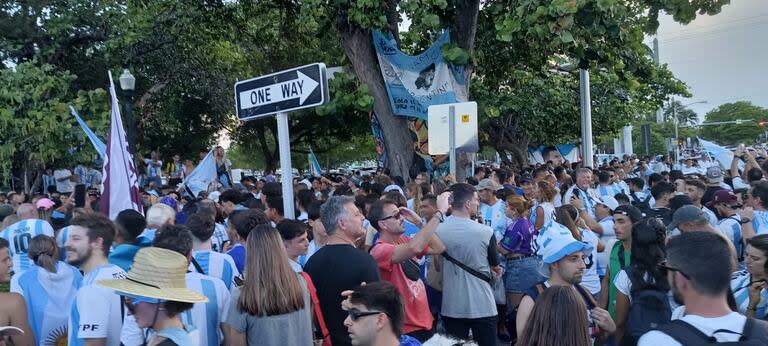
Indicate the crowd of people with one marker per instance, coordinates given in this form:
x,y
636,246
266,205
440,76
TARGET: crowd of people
x,y
632,252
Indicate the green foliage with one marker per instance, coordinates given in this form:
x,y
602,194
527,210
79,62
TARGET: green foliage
x,y
35,124
684,115
731,134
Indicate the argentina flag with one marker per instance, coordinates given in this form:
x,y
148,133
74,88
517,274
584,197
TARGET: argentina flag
x,y
49,298
202,176
100,147
314,165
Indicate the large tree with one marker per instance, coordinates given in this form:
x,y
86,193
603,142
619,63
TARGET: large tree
x,y
604,36
747,132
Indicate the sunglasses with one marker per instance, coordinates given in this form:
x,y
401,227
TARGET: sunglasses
x,y
131,303
398,215
355,314
665,269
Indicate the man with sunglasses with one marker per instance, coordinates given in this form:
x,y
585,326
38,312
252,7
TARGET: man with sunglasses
x,y
698,270
395,255
375,316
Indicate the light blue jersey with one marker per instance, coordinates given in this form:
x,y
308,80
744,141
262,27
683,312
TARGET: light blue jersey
x,y
49,298
19,235
495,217
740,287
760,222
608,190
217,265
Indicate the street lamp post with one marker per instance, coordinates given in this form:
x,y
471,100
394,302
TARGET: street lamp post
x,y
677,125
128,84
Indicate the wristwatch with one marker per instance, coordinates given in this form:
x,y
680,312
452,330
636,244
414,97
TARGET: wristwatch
x,y
745,220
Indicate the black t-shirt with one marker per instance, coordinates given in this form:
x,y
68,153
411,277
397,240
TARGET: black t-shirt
x,y
663,214
334,269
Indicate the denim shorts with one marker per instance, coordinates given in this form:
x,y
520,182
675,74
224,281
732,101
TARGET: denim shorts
x,y
522,274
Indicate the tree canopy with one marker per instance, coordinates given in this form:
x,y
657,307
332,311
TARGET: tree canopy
x,y
731,134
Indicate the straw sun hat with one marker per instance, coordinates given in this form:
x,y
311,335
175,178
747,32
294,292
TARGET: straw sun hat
x,y
156,273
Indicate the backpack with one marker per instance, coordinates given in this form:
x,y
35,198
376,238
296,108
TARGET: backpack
x,y
755,333
649,310
643,205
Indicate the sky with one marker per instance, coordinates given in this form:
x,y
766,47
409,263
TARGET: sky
x,y
723,58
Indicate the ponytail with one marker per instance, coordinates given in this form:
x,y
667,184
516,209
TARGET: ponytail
x,y
44,252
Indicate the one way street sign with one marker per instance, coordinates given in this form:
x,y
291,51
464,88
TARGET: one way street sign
x,y
284,91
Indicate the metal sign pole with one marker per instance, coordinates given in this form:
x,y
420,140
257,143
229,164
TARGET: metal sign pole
x,y
452,139
286,179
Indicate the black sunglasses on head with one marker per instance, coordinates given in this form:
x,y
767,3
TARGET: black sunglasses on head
x,y
355,314
665,268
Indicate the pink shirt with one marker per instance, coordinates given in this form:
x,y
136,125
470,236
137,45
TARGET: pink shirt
x,y
417,314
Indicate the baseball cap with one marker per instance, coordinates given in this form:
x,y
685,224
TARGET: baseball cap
x,y
214,196
714,174
557,242
526,178
44,203
723,197
609,202
687,213
630,211
394,187
488,184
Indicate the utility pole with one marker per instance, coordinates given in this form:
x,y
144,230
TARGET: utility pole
x,y
659,111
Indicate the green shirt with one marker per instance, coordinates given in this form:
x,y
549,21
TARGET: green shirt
x,y
614,267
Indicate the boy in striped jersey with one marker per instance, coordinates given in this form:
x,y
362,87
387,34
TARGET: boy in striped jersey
x,y
96,317
20,233
210,262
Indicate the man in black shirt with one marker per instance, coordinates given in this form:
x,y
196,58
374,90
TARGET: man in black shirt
x,y
339,266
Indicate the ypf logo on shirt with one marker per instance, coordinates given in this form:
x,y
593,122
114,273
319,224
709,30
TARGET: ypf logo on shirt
x,y
89,327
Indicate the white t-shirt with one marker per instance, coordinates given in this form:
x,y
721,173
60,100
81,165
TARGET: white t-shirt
x,y
590,280
733,322
624,285
66,185
739,183
495,217
609,233
215,264
19,235
549,213
97,311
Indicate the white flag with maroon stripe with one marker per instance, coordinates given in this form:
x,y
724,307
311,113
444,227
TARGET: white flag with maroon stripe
x,y
120,188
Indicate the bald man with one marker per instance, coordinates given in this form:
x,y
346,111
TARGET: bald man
x,y
26,211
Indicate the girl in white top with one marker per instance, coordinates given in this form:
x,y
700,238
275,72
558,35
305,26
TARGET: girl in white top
x,y
543,212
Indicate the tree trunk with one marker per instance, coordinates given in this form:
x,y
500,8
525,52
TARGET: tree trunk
x,y
358,47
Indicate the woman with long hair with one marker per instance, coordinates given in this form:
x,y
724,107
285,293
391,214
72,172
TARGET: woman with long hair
x,y
557,318
223,167
749,286
570,217
643,273
49,288
273,305
522,269
543,193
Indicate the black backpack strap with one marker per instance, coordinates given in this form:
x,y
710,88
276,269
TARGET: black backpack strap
x,y
756,330
467,268
197,266
634,197
588,298
684,333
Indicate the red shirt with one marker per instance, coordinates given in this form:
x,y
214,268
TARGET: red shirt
x,y
417,315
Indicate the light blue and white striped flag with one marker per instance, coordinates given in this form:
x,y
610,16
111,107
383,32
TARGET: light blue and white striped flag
x,y
100,147
314,165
